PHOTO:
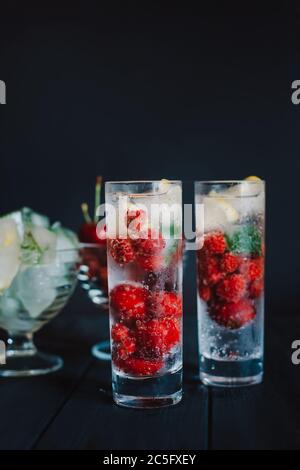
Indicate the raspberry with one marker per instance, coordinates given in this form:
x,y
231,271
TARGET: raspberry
x,y
151,262
215,243
229,263
119,332
121,250
157,337
172,332
130,300
140,367
232,288
256,287
252,268
149,243
208,268
234,314
136,219
165,304
205,293
124,349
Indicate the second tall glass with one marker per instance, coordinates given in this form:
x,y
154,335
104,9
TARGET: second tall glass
x,y
144,231
230,217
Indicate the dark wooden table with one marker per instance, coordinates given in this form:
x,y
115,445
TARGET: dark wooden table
x,y
73,408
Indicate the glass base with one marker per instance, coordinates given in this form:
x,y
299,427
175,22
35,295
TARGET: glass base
x,y
234,373
147,392
101,350
218,381
31,364
23,359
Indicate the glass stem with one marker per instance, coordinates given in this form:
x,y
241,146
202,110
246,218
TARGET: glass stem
x,y
20,344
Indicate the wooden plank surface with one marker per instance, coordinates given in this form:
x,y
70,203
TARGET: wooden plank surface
x,y
266,416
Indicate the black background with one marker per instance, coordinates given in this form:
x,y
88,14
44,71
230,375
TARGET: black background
x,y
147,93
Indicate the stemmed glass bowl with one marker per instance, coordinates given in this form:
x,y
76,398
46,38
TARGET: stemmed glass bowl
x,y
37,294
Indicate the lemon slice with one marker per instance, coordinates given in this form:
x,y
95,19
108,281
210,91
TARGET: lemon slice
x,y
218,213
9,252
253,178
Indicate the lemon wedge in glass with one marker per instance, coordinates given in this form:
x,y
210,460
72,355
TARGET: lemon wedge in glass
x,y
218,213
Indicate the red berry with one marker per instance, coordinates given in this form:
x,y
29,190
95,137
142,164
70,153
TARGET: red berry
x,y
232,288
234,314
208,268
252,268
88,234
101,233
164,304
151,262
150,242
256,287
215,243
229,263
136,219
119,332
157,337
121,250
129,300
172,332
205,293
140,367
124,349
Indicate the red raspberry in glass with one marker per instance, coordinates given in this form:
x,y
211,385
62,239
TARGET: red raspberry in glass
x,y
209,268
121,250
136,219
157,337
129,300
232,288
252,268
124,349
215,243
256,287
150,263
150,242
205,293
120,332
140,367
172,332
233,315
229,262
164,304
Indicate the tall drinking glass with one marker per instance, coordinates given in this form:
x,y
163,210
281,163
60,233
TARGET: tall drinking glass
x,y
230,221
144,243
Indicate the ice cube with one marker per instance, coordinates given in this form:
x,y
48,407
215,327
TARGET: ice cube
x,y
35,289
9,306
9,252
67,244
47,241
26,217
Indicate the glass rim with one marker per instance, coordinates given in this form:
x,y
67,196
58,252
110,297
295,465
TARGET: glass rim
x,y
230,181
143,181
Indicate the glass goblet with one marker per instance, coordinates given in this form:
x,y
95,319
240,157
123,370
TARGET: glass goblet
x,y
36,295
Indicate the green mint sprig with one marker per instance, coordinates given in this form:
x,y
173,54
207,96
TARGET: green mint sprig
x,y
245,240
31,252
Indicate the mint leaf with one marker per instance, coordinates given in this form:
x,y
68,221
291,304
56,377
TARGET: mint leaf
x,y
245,240
31,252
